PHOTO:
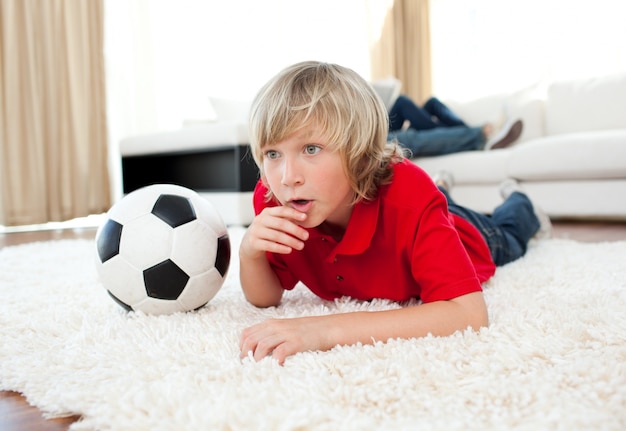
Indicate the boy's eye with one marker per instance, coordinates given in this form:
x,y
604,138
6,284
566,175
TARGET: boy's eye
x,y
312,149
271,154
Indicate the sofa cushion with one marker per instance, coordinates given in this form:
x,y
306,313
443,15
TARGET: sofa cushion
x,y
527,104
531,110
586,105
585,155
472,167
488,109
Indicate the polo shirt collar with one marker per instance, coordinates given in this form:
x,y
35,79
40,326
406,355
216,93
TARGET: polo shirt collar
x,y
360,231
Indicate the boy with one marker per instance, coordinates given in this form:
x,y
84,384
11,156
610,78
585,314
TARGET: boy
x,y
339,209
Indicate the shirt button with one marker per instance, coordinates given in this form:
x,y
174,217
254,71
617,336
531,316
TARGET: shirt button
x,y
335,260
339,278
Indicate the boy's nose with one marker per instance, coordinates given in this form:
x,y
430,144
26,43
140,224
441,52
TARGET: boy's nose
x,y
291,174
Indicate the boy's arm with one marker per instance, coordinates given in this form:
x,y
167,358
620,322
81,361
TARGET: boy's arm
x,y
273,230
259,282
281,338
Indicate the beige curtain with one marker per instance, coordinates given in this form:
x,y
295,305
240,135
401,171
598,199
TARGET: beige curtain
x,y
403,48
53,135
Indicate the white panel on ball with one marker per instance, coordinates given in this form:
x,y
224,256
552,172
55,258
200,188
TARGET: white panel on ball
x,y
162,249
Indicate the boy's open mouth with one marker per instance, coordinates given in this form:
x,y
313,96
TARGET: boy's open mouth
x,y
302,205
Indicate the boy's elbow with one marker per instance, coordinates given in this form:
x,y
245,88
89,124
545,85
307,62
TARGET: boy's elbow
x,y
264,300
481,321
476,323
262,303
480,318
475,308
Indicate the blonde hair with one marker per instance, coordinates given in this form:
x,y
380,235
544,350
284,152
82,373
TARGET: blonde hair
x,y
342,105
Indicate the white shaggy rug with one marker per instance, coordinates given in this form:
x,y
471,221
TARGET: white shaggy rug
x,y
554,357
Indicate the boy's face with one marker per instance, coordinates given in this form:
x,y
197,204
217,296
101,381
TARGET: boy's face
x,y
305,174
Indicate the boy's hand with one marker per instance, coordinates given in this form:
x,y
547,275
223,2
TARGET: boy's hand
x,y
275,230
281,338
285,337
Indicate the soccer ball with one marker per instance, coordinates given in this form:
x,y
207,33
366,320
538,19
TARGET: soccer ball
x,y
162,249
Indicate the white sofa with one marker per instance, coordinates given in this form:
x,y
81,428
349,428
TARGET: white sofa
x,y
570,159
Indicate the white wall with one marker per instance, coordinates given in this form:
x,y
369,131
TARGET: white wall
x,y
166,57
483,47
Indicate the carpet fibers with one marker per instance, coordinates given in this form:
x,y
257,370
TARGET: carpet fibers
x,y
553,358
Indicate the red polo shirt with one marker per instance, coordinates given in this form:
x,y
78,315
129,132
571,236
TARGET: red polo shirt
x,y
402,245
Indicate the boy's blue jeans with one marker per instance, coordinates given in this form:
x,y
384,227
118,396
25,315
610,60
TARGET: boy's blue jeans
x,y
506,231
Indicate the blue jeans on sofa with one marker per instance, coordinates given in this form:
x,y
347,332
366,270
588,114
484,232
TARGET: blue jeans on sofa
x,y
439,141
432,115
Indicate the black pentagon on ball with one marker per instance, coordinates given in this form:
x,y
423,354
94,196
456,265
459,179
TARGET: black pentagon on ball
x,y
174,210
108,243
222,258
165,280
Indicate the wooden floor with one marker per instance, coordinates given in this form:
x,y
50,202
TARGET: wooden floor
x,y
15,412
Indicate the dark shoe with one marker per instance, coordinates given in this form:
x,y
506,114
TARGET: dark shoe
x,y
506,136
